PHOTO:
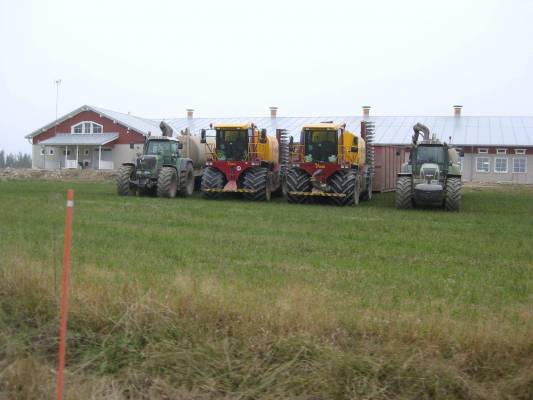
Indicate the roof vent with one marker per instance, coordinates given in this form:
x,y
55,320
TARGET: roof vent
x,y
190,113
366,111
273,112
457,110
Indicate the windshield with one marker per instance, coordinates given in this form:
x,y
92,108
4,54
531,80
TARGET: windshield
x,y
321,145
232,144
430,154
165,148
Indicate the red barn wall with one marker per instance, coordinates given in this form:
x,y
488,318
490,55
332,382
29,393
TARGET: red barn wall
x,y
125,136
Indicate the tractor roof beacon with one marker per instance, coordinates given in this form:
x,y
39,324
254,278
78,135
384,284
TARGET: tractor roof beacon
x,y
432,176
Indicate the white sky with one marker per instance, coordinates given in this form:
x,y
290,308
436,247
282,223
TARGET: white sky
x,y
226,58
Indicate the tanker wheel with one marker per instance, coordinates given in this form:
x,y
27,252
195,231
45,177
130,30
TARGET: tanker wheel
x,y
297,180
260,181
404,196
187,181
345,183
212,178
167,183
452,197
124,187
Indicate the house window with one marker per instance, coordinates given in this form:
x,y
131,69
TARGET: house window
x,y
483,151
501,151
520,152
482,164
520,165
42,151
131,146
67,153
86,152
86,127
500,165
51,151
461,163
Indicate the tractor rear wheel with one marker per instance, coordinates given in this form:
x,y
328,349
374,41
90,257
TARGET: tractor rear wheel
x,y
452,197
212,178
345,183
297,180
124,187
260,181
404,195
187,181
167,183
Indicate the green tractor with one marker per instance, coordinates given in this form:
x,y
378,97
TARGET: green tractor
x,y
432,176
161,169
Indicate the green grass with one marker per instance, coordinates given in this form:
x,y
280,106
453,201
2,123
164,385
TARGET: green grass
x,y
188,298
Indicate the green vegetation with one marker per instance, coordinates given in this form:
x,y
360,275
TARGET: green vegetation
x,y
188,298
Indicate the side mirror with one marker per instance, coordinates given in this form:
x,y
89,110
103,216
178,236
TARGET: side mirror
x,y
180,145
263,137
202,138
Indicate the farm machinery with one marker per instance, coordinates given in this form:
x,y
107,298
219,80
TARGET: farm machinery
x,y
244,160
167,167
331,162
432,176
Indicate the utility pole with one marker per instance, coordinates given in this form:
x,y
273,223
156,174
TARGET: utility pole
x,y
57,82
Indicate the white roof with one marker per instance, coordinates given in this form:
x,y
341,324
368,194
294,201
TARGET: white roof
x,y
464,130
80,139
138,124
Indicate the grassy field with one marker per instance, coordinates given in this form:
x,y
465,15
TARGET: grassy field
x,y
188,298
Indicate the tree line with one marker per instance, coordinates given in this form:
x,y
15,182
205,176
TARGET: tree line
x,y
12,160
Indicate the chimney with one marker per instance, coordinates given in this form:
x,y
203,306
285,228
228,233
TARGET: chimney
x,y
457,110
190,112
273,112
366,111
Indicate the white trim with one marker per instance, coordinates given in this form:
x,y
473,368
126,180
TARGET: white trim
x,y
91,128
525,165
520,152
488,164
483,151
506,165
501,151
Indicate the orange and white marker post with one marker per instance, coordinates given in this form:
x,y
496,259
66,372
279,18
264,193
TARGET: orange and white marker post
x,y
64,296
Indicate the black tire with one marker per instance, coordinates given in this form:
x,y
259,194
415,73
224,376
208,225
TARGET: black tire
x,y
124,187
212,178
187,181
404,193
167,182
297,180
345,182
259,180
367,194
452,196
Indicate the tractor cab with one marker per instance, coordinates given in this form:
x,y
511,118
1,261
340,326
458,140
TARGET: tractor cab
x,y
232,142
430,162
158,151
320,142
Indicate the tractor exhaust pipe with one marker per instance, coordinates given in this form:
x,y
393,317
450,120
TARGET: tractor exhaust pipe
x,y
417,128
166,129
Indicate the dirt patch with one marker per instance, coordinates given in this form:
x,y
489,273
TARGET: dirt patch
x,y
57,174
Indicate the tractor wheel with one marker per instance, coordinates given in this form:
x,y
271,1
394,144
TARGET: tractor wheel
x,y
297,180
404,196
124,188
259,180
212,178
367,194
167,183
452,197
187,181
345,183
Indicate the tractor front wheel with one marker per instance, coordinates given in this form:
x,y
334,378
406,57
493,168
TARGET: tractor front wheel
x,y
167,183
212,178
404,195
452,197
124,187
297,180
345,183
259,180
187,181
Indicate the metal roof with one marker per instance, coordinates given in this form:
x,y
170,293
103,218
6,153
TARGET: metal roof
x,y
138,124
80,139
464,130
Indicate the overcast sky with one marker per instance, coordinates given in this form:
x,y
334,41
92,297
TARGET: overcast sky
x,y
227,58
